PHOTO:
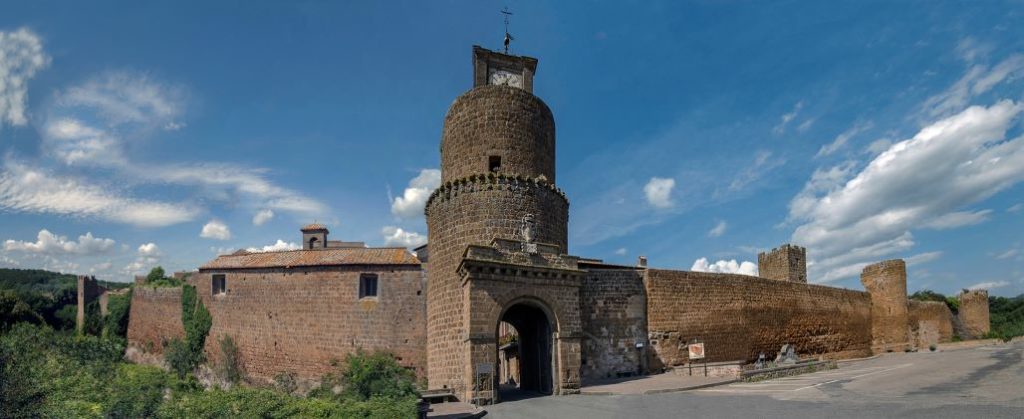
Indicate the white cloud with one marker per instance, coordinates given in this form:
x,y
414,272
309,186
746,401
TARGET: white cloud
x,y
21,57
659,192
394,236
763,163
280,245
841,139
49,243
1008,254
148,257
121,97
719,229
804,126
988,285
410,205
978,80
620,251
228,181
215,229
879,146
262,217
723,266
957,219
100,267
922,258
1015,208
93,124
787,117
25,189
919,182
149,250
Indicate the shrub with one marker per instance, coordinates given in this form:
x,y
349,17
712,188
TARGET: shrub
x,y
183,356
228,367
136,391
180,358
21,394
378,374
118,308
285,382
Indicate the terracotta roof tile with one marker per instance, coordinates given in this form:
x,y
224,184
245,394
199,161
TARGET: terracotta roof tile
x,y
319,257
314,226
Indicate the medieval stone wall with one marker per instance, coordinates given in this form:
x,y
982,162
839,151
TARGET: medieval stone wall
x,y
930,323
613,311
738,316
300,321
886,281
974,313
154,318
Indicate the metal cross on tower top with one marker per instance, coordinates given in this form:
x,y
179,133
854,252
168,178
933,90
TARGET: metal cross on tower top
x,y
508,36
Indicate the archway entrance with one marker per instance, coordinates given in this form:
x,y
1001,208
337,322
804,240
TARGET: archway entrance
x,y
525,347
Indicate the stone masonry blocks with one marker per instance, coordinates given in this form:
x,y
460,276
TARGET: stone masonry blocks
x,y
974,312
784,263
886,281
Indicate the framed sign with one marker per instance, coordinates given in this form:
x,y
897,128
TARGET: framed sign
x,y
696,350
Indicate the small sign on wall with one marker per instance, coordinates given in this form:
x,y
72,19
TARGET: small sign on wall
x,y
696,350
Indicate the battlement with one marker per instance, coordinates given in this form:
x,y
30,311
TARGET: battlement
x,y
784,263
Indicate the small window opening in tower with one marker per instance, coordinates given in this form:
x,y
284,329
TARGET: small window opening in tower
x,y
494,163
312,243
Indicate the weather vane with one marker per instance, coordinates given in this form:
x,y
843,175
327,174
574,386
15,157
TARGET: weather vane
x,y
508,36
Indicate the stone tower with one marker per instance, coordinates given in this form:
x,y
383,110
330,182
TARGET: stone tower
x,y
314,236
784,263
497,170
974,313
886,281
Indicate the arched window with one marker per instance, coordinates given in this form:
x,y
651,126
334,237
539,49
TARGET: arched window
x,y
312,242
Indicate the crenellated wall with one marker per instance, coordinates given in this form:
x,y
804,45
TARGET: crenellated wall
x,y
738,317
155,318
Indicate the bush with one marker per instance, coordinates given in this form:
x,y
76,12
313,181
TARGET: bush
x,y
285,382
183,356
136,391
118,308
228,367
180,358
367,375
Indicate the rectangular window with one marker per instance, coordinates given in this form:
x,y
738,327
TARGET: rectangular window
x,y
220,285
494,163
367,285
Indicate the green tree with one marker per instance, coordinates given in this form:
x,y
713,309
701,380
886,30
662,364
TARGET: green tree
x,y
156,274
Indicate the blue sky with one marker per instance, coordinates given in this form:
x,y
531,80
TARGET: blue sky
x,y
695,134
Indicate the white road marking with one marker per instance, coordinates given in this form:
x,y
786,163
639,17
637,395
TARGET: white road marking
x,y
830,377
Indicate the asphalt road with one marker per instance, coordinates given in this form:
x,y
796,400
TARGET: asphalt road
x,y
974,383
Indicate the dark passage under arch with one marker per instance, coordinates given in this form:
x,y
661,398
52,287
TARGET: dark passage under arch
x,y
533,351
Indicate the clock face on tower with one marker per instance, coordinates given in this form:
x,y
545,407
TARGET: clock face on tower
x,y
499,77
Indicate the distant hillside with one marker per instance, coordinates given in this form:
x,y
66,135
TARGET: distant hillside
x,y
39,281
1007,315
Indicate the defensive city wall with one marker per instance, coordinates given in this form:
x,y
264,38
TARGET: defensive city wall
x,y
497,260
634,320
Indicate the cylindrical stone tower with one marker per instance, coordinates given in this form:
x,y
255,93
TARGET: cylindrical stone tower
x,y
886,281
974,313
497,166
